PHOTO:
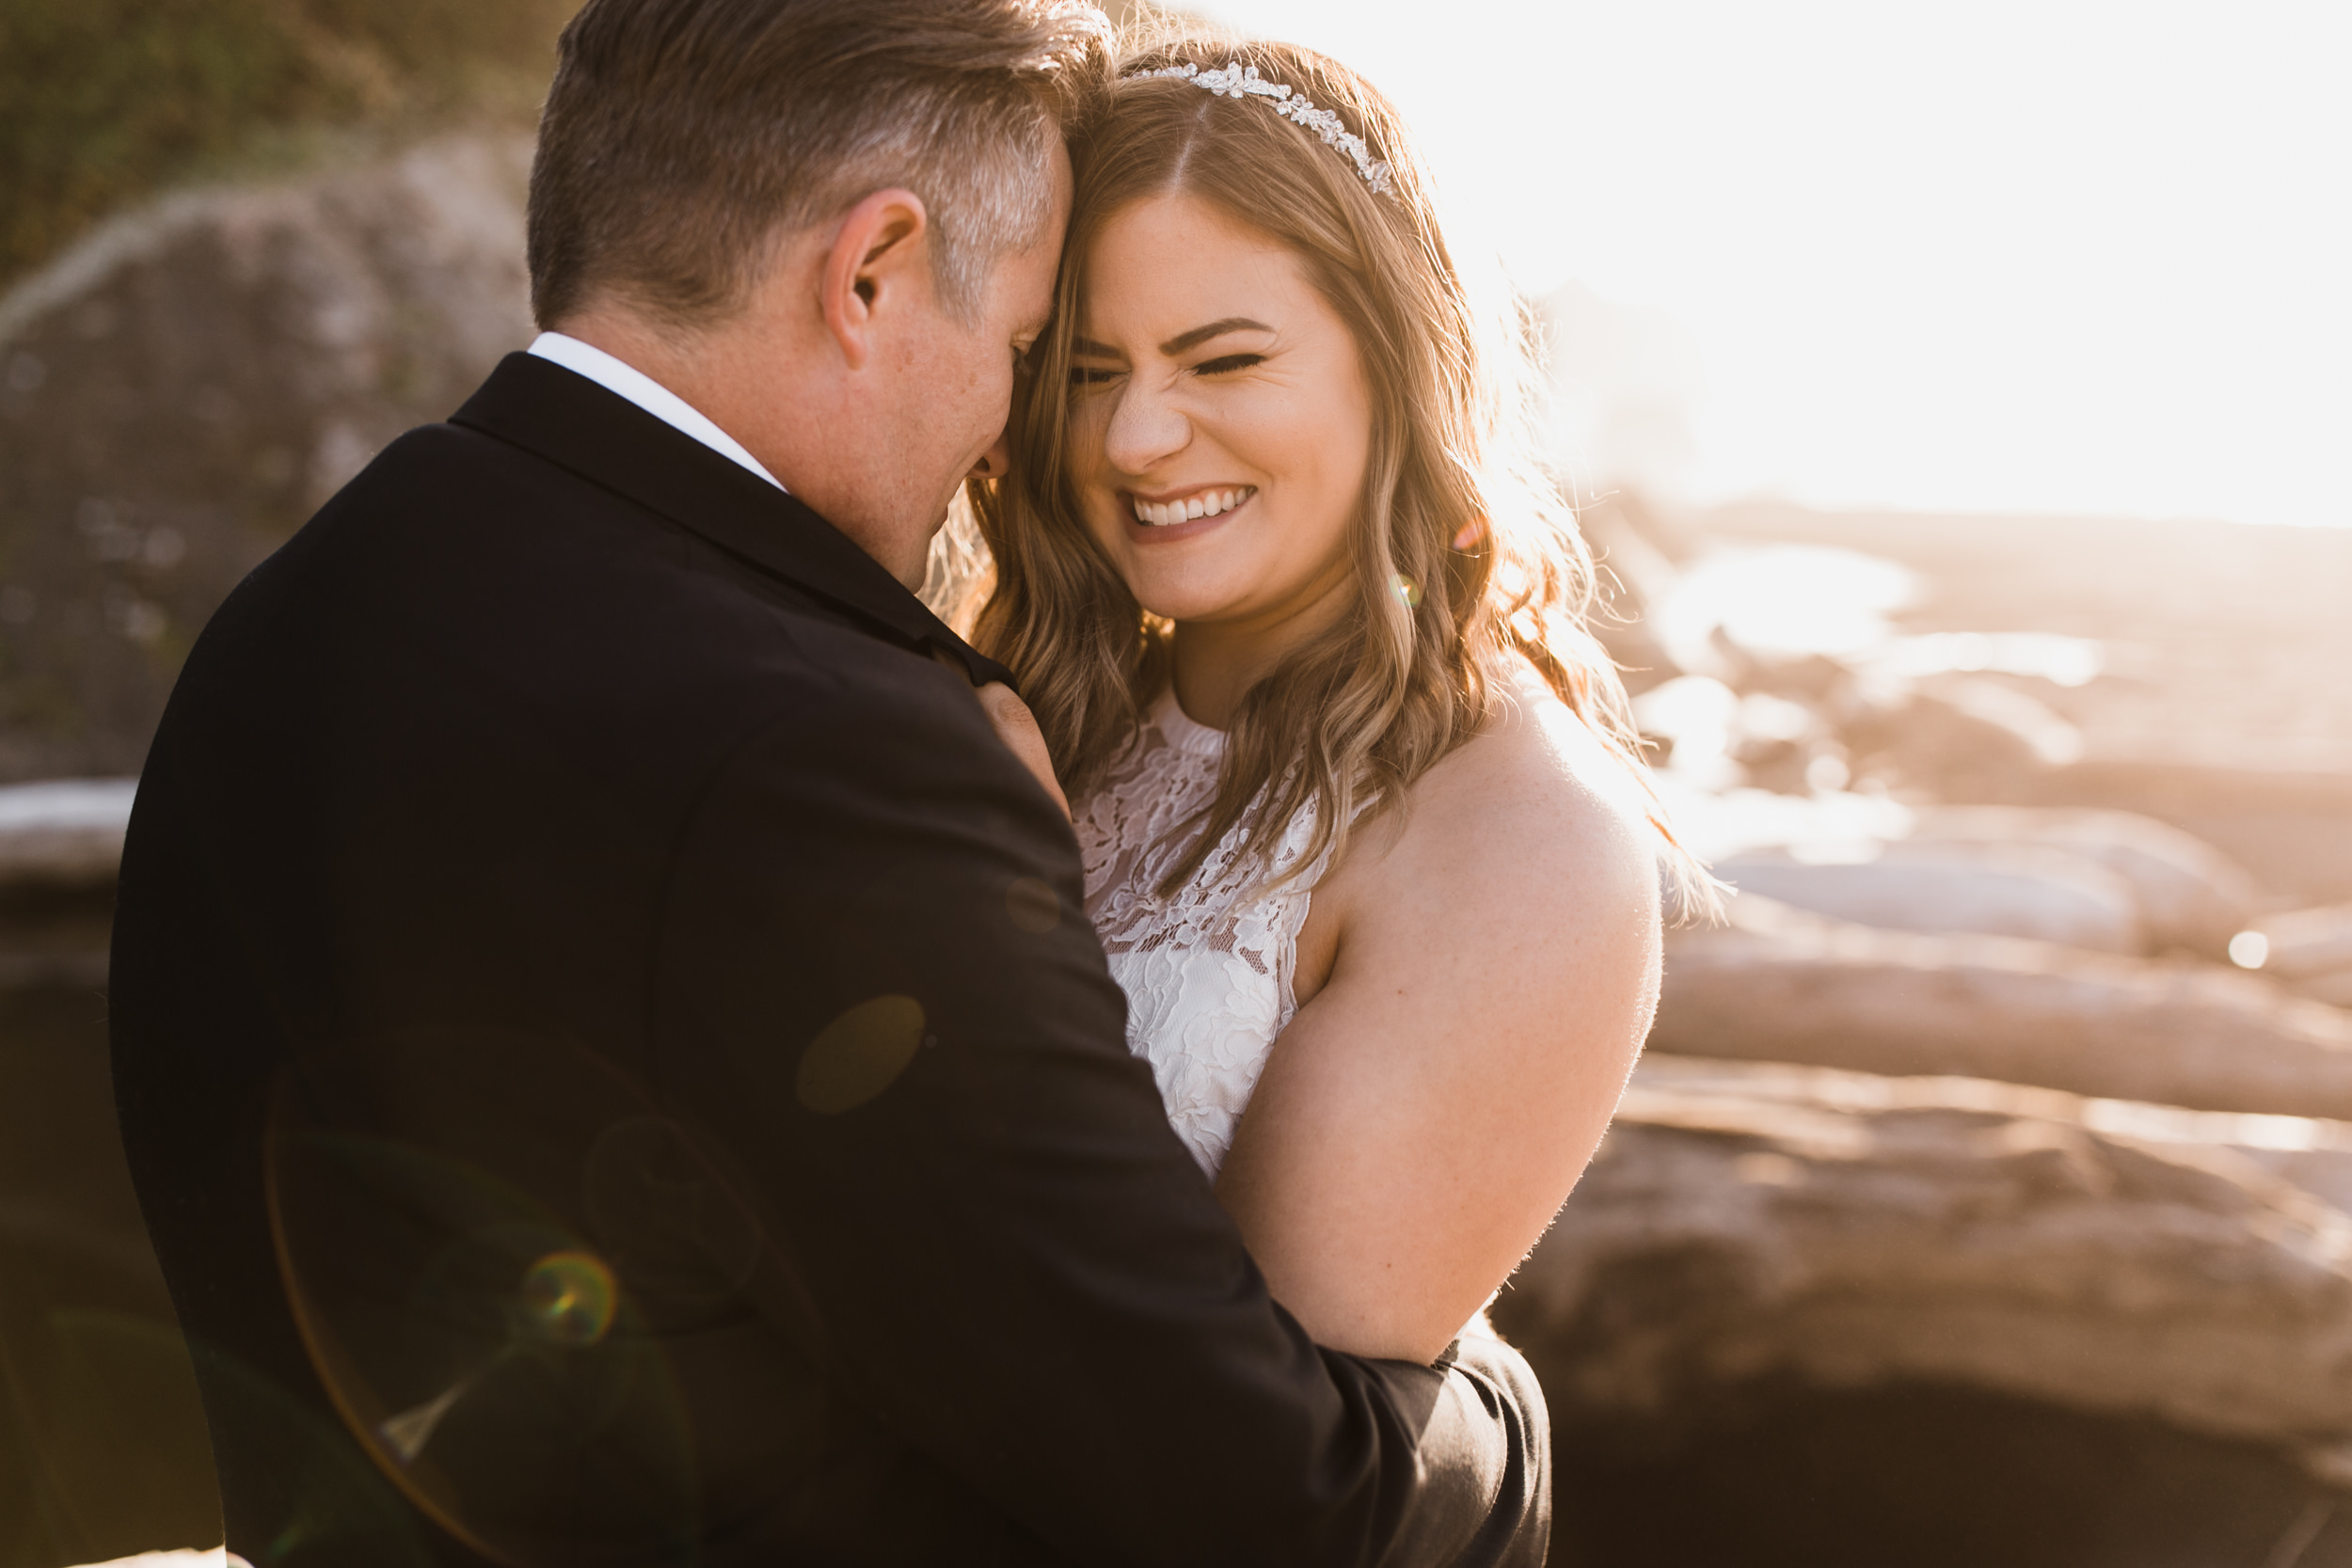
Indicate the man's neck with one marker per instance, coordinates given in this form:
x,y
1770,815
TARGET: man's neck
x,y
621,378
768,376
701,366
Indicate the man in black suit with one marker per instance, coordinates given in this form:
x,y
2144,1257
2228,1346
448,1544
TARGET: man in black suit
x,y
607,1037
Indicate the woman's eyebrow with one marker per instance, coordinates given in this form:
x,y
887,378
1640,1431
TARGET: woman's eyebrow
x,y
1199,335
1177,345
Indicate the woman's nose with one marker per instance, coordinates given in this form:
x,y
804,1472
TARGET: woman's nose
x,y
1146,427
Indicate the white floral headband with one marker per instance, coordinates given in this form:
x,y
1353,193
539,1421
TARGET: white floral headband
x,y
1238,81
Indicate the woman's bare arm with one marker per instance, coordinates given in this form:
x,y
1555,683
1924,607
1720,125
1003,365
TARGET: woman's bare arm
x,y
1493,960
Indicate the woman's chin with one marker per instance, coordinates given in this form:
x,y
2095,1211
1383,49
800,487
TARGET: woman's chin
x,y
1236,593
1190,610
1196,595
1182,607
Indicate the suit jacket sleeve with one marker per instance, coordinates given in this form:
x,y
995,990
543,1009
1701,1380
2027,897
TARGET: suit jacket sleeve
x,y
878,988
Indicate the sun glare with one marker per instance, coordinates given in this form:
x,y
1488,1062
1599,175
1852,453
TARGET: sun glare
x,y
2003,256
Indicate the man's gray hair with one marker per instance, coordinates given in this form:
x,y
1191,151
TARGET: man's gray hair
x,y
682,139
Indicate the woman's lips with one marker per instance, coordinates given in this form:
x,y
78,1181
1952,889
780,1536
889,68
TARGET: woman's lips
x,y
1183,516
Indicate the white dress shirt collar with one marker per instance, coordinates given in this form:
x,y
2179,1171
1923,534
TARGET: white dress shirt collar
x,y
627,381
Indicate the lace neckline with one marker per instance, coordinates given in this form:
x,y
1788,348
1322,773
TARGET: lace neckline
x,y
1182,730
1207,967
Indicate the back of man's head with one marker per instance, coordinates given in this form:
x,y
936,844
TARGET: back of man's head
x,y
682,139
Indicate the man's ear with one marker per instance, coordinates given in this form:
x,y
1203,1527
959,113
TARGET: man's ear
x,y
879,262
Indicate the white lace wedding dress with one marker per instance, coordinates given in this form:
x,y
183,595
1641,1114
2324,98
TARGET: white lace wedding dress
x,y
1208,969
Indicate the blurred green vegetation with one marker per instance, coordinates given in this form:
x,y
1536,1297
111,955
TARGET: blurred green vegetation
x,y
105,101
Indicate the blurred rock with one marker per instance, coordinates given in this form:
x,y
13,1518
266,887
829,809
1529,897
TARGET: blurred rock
x,y
2083,878
2213,706
2310,950
2190,895
65,834
1972,740
2291,828
1781,985
59,846
1994,889
180,390
1751,1221
2297,943
1715,740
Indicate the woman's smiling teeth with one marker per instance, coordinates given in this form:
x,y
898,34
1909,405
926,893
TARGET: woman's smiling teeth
x,y
1206,504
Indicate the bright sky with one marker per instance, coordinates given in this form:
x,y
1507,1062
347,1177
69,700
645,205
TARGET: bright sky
x,y
2042,256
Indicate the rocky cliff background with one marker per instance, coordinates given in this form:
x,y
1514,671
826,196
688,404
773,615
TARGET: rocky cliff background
x,y
181,390
236,261
184,387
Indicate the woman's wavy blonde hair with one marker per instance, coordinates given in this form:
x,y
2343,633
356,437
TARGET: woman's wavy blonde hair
x,y
1464,555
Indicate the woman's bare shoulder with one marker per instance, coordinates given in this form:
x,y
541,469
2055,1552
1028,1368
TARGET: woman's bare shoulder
x,y
1493,972
1537,807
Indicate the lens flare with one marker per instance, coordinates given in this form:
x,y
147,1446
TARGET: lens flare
x,y
478,1329
1033,905
859,1054
568,1298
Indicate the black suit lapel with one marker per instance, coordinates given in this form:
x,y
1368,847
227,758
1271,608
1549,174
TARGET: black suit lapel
x,y
571,421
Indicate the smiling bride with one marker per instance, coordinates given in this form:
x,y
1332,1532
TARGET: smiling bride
x,y
1367,837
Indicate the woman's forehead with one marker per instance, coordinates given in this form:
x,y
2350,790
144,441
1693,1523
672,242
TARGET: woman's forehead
x,y
1165,266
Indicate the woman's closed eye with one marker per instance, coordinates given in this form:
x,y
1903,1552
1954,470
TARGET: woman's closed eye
x,y
1224,364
